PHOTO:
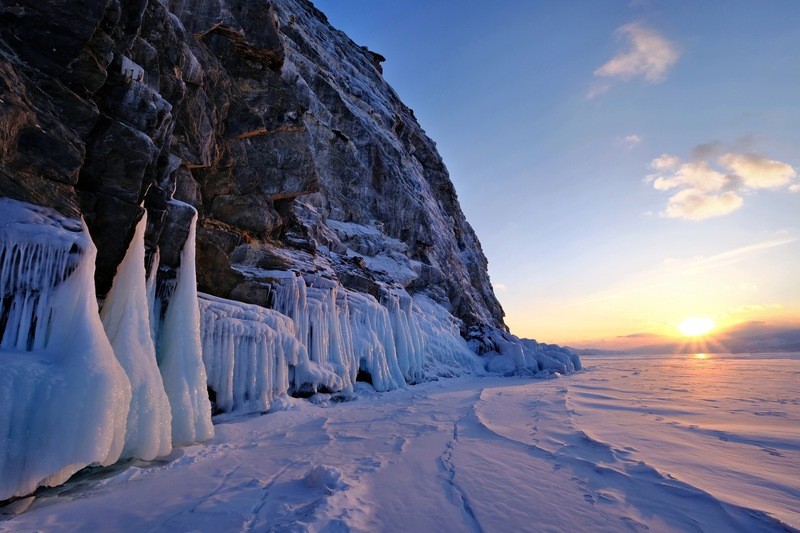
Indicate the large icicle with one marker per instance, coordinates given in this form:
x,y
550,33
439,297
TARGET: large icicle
x,y
445,352
126,318
180,355
64,398
249,353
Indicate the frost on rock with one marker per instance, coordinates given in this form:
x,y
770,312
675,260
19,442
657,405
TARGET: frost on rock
x,y
250,353
64,398
180,355
126,318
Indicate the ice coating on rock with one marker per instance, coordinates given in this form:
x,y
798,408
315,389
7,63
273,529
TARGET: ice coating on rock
x,y
250,353
126,318
64,398
510,354
445,353
180,355
396,341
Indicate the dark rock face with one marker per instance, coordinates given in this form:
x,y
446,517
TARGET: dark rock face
x,y
277,128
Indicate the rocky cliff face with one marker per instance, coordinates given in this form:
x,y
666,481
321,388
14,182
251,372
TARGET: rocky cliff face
x,y
245,148
275,126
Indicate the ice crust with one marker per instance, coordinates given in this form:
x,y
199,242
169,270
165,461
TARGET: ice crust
x,y
64,398
126,318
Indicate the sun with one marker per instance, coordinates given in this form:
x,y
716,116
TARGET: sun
x,y
696,326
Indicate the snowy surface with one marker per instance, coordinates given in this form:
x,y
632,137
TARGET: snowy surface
x,y
587,452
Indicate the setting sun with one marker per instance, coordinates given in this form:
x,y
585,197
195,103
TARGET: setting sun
x,y
696,326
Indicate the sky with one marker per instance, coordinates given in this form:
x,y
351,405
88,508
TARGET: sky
x,y
625,164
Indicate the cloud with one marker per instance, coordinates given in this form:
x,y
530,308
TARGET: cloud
x,y
700,191
694,204
665,162
758,172
648,55
499,287
699,176
629,141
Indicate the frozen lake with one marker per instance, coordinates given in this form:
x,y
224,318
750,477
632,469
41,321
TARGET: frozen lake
x,y
676,443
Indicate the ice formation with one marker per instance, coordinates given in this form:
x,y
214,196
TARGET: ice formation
x,y
179,355
64,398
250,354
396,341
126,318
512,355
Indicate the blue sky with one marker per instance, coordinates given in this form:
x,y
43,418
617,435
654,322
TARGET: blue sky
x,y
550,116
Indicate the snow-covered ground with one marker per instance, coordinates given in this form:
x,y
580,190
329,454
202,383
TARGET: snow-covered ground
x,y
675,443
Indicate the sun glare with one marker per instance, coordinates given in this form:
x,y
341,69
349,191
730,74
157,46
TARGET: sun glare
x,y
696,326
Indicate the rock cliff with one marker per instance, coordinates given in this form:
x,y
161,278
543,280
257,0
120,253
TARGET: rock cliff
x,y
245,149
274,125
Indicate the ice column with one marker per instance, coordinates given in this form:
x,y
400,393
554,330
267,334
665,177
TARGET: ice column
x,y
64,398
126,318
180,355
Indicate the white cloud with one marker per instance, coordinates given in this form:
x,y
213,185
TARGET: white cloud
x,y
701,191
649,55
499,287
665,162
698,176
629,141
694,204
758,172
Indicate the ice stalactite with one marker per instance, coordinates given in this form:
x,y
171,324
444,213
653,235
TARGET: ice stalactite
x,y
445,352
342,330
396,341
180,355
408,337
249,354
373,340
126,318
64,398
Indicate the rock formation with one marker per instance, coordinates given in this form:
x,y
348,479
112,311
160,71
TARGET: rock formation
x,y
314,192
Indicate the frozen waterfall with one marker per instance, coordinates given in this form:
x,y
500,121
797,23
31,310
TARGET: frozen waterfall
x,y
179,354
64,398
126,318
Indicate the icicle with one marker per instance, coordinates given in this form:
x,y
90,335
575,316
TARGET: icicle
x,y
180,355
153,313
64,398
126,318
248,352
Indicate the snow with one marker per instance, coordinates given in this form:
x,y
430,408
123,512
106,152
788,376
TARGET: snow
x,y
64,398
126,319
180,355
581,453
